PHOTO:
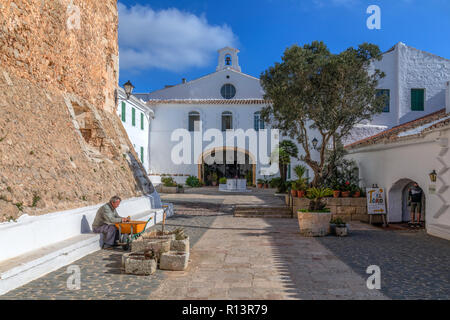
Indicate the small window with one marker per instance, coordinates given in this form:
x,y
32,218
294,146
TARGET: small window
x,y
228,91
387,94
257,121
133,117
142,121
227,121
417,99
124,111
194,121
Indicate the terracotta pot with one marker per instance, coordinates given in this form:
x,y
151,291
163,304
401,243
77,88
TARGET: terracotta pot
x,y
294,193
336,193
260,185
357,194
300,193
345,194
214,183
266,186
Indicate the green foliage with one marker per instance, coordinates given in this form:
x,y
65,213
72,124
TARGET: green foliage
x,y
168,182
337,221
193,182
316,195
223,180
214,176
314,89
19,206
36,199
283,154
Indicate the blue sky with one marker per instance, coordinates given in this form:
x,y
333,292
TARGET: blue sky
x,y
163,41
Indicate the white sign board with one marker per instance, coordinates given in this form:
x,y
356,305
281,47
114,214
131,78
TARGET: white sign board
x,y
376,201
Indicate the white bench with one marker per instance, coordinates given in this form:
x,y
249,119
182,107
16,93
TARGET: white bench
x,y
35,246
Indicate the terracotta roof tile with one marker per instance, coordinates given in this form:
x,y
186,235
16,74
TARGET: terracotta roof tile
x,y
208,101
392,134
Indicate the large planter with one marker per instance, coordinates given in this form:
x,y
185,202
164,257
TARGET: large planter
x,y
139,263
158,246
180,245
314,224
174,261
341,231
357,194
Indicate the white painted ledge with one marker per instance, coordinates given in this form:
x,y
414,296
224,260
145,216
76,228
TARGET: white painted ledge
x,y
37,245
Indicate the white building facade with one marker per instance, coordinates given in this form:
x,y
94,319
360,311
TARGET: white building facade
x,y
136,117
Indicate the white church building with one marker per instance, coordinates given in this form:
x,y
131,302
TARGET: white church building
x,y
229,99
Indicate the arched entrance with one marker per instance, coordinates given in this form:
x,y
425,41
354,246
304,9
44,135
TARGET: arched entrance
x,y
229,167
398,210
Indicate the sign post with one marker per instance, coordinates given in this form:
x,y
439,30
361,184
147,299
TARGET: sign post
x,y
376,203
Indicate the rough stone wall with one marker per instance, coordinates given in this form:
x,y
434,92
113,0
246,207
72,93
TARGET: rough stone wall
x,y
61,144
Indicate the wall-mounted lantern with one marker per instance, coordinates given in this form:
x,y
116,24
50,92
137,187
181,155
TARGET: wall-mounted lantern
x,y
433,176
128,88
314,143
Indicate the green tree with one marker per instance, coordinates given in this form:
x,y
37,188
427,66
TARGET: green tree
x,y
329,93
285,151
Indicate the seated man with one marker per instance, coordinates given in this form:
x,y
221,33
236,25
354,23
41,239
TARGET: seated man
x,y
104,222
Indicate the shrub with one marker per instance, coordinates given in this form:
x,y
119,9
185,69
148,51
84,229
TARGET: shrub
x,y
337,221
223,180
193,182
316,195
168,182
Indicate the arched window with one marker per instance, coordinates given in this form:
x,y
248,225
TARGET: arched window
x,y
194,121
258,122
228,91
227,121
228,60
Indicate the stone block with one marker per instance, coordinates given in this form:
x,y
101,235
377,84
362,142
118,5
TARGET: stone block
x,y
333,201
314,224
360,217
346,218
333,209
361,210
139,264
301,203
346,210
174,261
360,202
158,246
180,245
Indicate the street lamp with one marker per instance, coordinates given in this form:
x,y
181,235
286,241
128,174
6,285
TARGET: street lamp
x,y
314,143
433,176
128,89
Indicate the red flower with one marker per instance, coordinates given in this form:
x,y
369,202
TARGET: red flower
x,y
347,182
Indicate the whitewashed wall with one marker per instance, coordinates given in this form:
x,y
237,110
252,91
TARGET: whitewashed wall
x,y
138,137
391,166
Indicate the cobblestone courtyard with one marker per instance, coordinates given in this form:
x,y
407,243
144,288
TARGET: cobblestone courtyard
x,y
238,258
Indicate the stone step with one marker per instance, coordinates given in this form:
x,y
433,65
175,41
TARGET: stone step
x,y
283,216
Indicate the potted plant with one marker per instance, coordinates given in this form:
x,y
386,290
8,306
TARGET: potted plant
x,y
266,183
260,183
356,192
294,189
346,189
214,178
339,226
315,221
223,180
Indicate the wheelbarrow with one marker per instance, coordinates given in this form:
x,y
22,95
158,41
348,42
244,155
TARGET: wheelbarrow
x,y
130,231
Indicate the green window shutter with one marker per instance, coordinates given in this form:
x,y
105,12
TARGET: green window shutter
x,y
142,121
387,94
417,99
124,111
289,171
142,155
133,117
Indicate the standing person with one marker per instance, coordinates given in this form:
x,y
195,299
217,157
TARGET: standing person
x,y
104,222
415,200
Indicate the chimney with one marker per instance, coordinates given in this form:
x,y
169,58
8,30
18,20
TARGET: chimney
x,y
447,98
183,80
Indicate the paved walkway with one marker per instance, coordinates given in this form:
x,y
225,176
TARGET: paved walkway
x,y
238,258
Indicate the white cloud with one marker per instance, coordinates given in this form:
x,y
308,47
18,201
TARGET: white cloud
x,y
168,39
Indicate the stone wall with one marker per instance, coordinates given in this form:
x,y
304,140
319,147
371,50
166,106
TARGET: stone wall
x,y
61,144
349,209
